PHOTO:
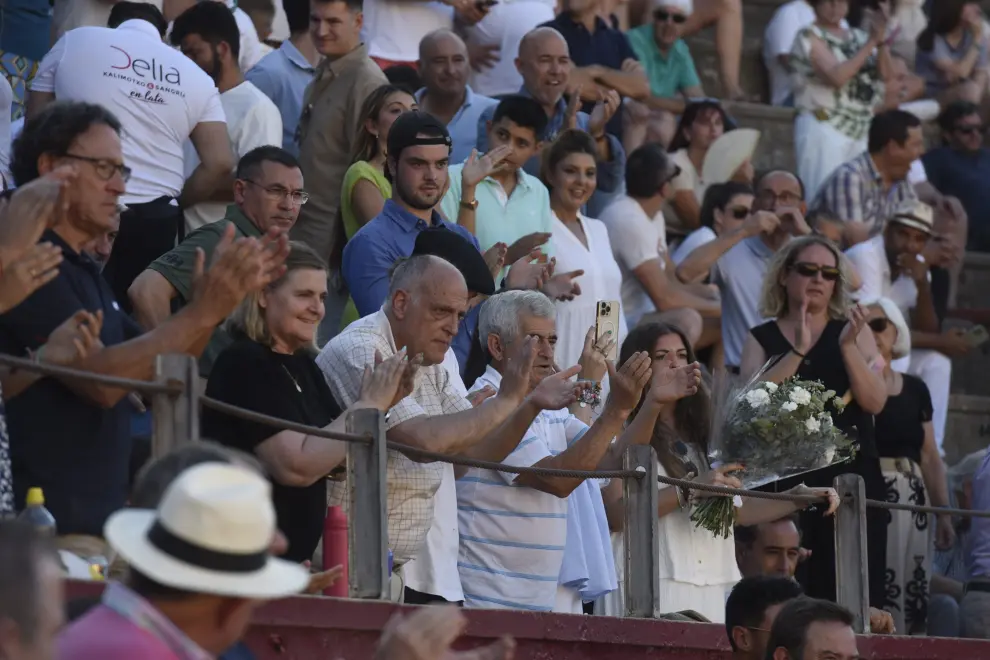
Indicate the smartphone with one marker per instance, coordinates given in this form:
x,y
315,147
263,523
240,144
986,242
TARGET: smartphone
x,y
977,336
607,319
486,4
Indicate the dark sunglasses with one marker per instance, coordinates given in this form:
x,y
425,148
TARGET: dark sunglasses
x,y
969,130
676,172
879,325
662,16
829,273
740,212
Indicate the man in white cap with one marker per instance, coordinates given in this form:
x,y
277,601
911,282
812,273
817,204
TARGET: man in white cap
x,y
670,69
891,265
199,566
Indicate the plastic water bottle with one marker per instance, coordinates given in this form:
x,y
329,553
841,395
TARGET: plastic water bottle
x,y
35,513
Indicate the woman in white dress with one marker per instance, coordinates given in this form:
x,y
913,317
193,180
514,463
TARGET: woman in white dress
x,y
697,568
580,243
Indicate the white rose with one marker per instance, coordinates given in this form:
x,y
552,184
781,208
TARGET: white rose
x,y
829,455
770,387
757,398
812,424
800,396
790,406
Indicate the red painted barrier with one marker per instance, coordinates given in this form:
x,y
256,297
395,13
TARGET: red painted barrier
x,y
335,548
309,628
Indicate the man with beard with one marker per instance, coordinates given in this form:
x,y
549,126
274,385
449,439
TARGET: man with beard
x,y
207,34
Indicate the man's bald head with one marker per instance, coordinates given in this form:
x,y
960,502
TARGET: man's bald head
x,y
438,39
427,300
443,64
412,274
533,41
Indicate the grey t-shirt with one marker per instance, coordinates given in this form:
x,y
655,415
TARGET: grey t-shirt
x,y
739,274
924,62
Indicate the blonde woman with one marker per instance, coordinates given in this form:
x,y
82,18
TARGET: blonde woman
x,y
816,336
270,369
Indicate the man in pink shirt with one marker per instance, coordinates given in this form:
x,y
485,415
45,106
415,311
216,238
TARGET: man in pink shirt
x,y
199,566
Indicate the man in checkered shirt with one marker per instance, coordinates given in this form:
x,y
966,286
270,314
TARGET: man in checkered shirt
x,y
426,301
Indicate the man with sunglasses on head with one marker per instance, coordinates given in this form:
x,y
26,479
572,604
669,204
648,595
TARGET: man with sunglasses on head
x,y
268,193
737,261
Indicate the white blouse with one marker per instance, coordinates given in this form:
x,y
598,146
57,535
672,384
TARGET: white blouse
x,y
602,280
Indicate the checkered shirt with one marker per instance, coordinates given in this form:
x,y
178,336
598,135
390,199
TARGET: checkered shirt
x,y
855,193
411,485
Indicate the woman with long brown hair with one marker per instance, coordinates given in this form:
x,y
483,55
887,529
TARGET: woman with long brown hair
x,y
697,568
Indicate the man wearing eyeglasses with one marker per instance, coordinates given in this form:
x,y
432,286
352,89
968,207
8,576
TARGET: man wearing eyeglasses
x,y
267,195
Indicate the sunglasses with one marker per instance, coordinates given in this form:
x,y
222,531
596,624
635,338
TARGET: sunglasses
x,y
829,273
969,130
740,212
879,325
674,173
662,16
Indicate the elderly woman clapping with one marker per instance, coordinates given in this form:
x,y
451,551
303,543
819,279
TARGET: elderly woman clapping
x,y
270,369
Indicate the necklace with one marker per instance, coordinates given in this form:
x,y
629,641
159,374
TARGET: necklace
x,y
292,378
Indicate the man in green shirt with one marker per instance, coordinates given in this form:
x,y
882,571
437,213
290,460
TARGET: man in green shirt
x,y
267,195
669,68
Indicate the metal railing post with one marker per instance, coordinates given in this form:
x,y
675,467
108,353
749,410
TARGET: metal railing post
x,y
367,529
851,557
175,417
641,534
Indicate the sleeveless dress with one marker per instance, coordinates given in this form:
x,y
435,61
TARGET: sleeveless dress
x,y
824,363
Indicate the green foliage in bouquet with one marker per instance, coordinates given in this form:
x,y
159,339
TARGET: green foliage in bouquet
x,y
775,432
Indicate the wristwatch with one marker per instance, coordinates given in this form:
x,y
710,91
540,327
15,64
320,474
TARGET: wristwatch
x,y
469,206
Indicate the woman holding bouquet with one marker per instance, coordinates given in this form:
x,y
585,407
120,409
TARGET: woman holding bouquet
x,y
913,473
697,567
817,336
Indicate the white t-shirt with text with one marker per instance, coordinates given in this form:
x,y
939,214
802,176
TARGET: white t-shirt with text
x,y
253,120
158,94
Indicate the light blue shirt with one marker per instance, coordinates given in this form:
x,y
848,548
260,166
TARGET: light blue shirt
x,y
611,174
283,76
463,127
371,253
501,218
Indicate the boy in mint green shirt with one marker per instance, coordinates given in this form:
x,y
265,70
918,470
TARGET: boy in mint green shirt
x,y
513,207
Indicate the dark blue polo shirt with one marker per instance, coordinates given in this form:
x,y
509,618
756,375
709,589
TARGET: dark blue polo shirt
x,y
605,46
964,175
76,451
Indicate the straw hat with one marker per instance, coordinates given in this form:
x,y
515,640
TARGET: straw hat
x,y
210,535
916,215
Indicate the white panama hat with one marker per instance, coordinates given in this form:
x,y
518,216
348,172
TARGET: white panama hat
x,y
210,534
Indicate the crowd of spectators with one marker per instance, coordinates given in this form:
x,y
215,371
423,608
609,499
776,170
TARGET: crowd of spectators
x,y
423,208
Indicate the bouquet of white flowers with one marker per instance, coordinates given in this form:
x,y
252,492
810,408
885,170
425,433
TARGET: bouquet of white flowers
x,y
775,431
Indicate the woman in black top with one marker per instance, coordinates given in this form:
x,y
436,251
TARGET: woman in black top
x,y
804,292
270,369
913,472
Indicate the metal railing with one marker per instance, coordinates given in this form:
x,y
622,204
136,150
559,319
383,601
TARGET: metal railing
x,y
175,421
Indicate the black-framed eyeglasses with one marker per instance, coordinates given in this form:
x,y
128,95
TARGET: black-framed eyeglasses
x,y
804,269
674,173
278,193
879,325
662,16
105,168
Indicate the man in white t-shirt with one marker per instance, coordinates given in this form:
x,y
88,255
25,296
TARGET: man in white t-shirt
x,y
778,39
207,34
161,99
636,231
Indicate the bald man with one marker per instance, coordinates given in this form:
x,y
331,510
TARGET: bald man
x,y
545,65
444,69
